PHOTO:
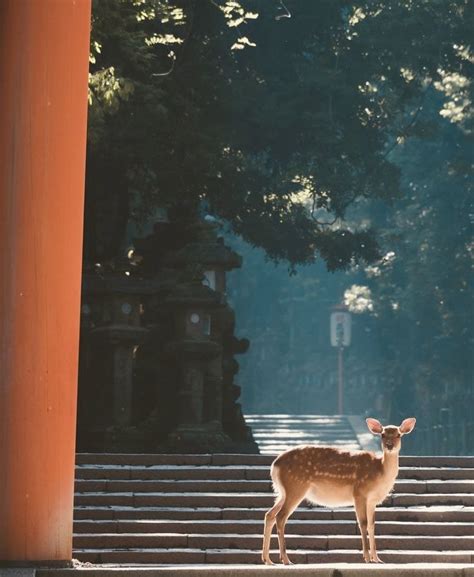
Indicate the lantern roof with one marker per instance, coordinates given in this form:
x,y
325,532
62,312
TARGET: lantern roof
x,y
194,294
109,284
211,254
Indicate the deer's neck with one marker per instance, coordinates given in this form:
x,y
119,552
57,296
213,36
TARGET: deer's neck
x,y
390,463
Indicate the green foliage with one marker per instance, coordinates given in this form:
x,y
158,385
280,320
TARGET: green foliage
x,y
279,138
424,292
411,351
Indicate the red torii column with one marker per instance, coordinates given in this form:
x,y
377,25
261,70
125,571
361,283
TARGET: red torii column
x,y
44,48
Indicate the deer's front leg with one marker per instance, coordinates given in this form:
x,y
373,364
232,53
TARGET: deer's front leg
x,y
360,504
374,558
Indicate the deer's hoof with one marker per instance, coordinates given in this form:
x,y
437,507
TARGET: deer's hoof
x,y
286,561
266,559
376,559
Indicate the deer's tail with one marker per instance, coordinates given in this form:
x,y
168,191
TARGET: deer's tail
x,y
278,487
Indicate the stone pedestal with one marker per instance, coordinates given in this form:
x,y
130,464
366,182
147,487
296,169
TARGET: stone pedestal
x,y
199,418
120,341
214,398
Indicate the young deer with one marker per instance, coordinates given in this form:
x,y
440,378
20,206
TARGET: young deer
x,y
335,478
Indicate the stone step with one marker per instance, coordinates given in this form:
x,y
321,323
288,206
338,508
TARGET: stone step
x,y
242,459
249,526
299,424
455,514
284,418
355,569
303,430
408,500
277,433
254,541
173,486
161,472
305,424
281,427
247,486
229,556
250,500
304,437
272,448
180,510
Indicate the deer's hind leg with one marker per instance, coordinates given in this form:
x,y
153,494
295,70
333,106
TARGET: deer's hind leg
x,y
292,500
270,519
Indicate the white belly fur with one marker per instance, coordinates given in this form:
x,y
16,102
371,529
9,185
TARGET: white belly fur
x,y
324,493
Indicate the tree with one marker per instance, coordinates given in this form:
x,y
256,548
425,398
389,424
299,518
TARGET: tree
x,y
412,309
279,139
421,292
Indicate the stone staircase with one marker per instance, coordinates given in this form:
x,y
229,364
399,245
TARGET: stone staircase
x,y
275,433
174,511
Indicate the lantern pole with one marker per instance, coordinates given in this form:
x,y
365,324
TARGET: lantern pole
x,y
340,399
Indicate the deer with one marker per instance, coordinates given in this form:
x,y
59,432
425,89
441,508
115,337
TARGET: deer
x,y
335,477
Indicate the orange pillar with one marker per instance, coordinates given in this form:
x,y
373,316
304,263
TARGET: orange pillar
x,y
44,46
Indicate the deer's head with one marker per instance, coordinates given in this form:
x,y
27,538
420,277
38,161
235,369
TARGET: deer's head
x,y
391,435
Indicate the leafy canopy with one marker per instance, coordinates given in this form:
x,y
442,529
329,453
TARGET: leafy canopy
x,y
277,115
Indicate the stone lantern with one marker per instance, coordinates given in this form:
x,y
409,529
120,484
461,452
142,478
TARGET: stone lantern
x,y
111,324
193,351
220,405
182,366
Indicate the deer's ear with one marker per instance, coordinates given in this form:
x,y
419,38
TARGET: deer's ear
x,y
407,426
375,426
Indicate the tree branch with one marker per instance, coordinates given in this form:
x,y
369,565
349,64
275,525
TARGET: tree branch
x,y
288,13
